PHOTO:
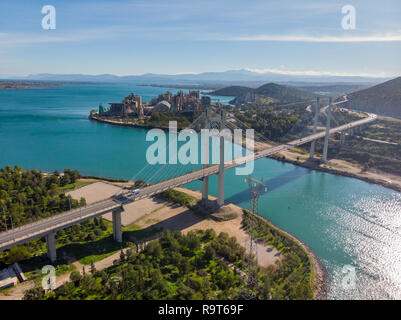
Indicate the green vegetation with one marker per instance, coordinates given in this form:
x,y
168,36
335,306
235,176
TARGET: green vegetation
x,y
233,91
175,266
273,124
276,92
293,275
88,241
177,197
284,124
270,93
26,196
161,119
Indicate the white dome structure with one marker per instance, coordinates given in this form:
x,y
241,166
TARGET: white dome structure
x,y
162,106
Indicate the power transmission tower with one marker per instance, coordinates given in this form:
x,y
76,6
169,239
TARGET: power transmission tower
x,y
256,187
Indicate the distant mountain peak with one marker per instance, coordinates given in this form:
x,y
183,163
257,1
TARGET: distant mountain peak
x,y
228,77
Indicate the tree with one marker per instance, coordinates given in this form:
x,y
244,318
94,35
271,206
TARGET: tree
x,y
154,249
82,202
93,268
17,254
35,293
122,256
75,276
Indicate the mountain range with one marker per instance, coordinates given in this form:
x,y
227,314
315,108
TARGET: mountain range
x,y
241,76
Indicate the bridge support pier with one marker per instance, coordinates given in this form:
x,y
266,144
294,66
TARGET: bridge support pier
x,y
342,137
205,188
117,233
51,246
220,193
313,144
326,137
351,132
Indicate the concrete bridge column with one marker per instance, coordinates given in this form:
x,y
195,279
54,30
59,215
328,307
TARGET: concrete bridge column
x,y
342,137
51,246
220,193
326,137
205,180
205,188
351,132
313,144
117,233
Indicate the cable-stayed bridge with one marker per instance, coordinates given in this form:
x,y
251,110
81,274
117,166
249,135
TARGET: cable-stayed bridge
x,y
49,226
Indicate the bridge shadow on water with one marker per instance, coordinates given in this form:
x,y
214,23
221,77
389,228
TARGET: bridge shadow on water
x,y
271,184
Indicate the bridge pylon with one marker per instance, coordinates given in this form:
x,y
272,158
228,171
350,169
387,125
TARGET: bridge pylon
x,y
342,137
313,144
205,180
326,137
117,233
51,246
220,193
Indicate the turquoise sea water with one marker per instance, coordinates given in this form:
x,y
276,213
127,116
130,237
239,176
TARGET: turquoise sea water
x,y
345,221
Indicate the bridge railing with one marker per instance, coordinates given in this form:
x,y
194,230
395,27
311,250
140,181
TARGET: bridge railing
x,y
52,217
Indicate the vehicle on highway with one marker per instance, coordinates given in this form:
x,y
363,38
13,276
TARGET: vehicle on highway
x,y
134,192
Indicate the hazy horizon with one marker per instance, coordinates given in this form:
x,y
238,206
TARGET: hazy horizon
x,y
185,37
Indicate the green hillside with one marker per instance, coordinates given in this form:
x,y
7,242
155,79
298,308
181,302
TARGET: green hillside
x,y
234,91
269,93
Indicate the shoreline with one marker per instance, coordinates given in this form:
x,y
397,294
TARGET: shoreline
x,y
304,164
312,166
318,273
321,276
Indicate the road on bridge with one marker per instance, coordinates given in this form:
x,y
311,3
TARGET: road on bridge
x,y
43,227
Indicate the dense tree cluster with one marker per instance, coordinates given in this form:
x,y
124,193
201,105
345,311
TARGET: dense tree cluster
x,y
271,124
291,277
283,124
177,197
161,119
29,195
26,196
175,266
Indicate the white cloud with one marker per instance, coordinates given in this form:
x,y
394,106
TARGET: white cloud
x,y
318,73
385,37
17,39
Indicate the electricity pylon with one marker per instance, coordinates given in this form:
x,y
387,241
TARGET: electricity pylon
x,y
256,187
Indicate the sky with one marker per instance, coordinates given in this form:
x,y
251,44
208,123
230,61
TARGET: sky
x,y
186,36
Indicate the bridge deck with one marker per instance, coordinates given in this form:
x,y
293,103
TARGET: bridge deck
x,y
42,227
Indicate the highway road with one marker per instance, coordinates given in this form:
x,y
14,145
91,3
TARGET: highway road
x,y
42,227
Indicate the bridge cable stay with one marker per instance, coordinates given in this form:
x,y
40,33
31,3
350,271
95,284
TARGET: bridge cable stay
x,y
153,173
150,171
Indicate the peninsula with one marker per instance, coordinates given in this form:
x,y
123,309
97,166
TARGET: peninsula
x,y
27,84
